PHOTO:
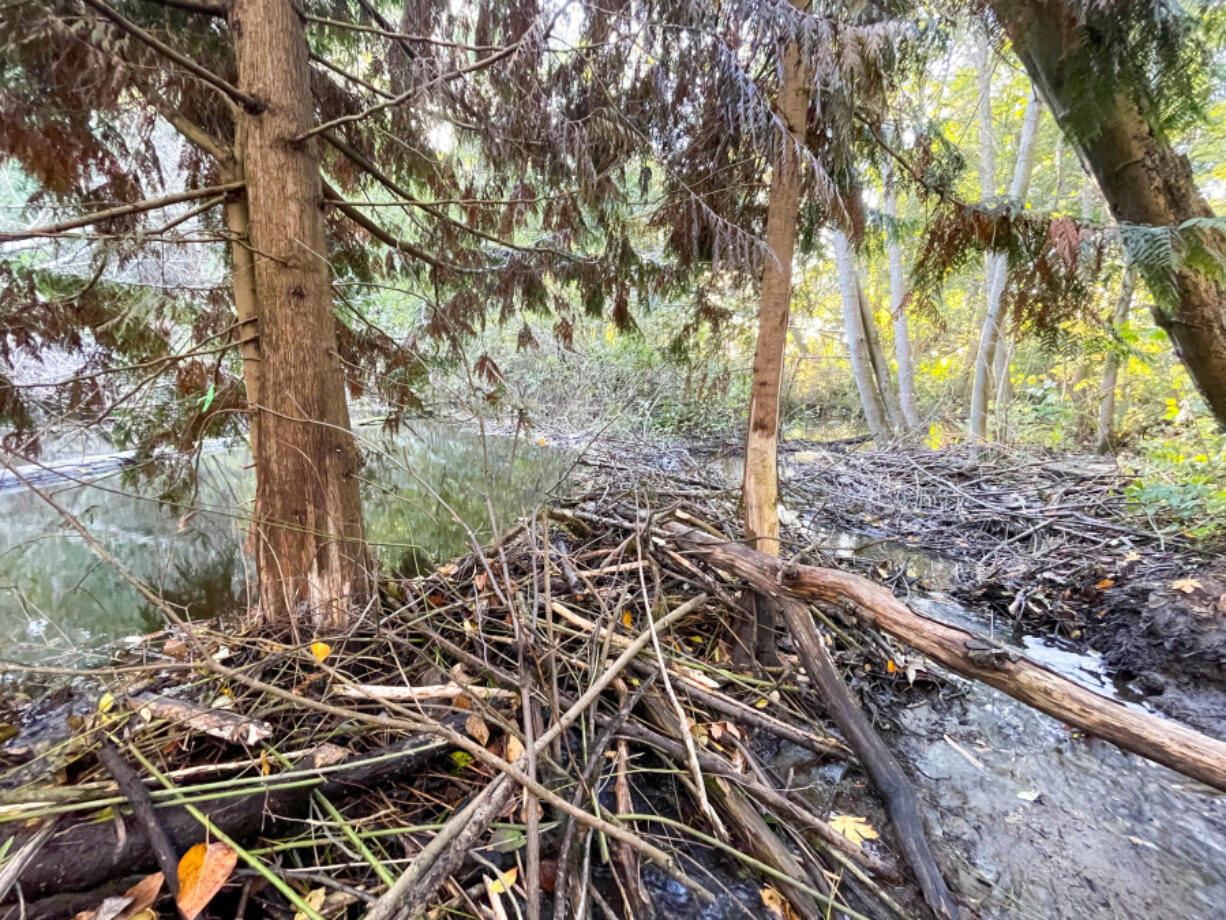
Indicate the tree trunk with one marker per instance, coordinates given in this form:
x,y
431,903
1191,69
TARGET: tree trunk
x,y
246,304
996,267
1106,403
857,345
876,356
1144,179
902,335
761,483
310,549
987,191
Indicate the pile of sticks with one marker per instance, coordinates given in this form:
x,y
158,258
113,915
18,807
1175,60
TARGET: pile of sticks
x,y
549,726
1032,531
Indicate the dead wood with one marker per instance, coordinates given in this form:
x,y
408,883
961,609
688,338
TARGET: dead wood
x,y
896,790
143,810
85,856
1157,739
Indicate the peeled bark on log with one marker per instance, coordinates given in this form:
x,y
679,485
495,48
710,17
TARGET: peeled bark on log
x,y
84,856
1168,743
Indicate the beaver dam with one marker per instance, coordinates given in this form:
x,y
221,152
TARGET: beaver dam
x,y
578,719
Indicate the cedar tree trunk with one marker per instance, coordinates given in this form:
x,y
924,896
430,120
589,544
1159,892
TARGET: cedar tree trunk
x,y
310,550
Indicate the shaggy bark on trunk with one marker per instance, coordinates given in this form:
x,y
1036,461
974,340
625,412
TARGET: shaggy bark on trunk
x,y
310,549
991,364
857,344
1111,371
902,335
1144,179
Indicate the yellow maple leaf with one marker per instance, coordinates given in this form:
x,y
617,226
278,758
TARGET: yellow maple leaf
x,y
315,900
1186,585
503,883
855,829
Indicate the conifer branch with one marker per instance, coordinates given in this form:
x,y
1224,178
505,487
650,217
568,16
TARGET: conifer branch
x,y
482,64
408,198
385,237
217,8
138,207
250,103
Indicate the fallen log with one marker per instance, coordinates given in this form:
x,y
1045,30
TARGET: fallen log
x,y
84,856
1173,745
887,775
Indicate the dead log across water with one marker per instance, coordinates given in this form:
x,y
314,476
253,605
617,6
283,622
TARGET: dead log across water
x,y
1173,745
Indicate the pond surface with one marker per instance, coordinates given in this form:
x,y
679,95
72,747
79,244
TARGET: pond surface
x,y
59,601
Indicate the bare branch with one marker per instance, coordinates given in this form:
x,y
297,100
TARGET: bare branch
x,y
408,94
151,204
205,7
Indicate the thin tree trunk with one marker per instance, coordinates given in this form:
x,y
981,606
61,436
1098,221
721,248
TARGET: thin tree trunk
x,y
987,191
902,335
246,304
996,266
1111,371
876,354
857,346
1144,179
311,554
761,483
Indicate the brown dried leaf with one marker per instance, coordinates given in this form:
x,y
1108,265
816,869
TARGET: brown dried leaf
x,y
143,894
476,728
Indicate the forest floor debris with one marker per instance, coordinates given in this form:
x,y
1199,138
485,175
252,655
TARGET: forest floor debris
x,y
620,645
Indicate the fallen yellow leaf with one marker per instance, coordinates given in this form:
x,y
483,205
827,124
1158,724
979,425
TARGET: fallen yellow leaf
x,y
503,883
515,749
320,650
855,829
203,870
143,894
315,900
477,729
777,904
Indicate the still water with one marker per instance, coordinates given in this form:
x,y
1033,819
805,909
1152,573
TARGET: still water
x,y
59,602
